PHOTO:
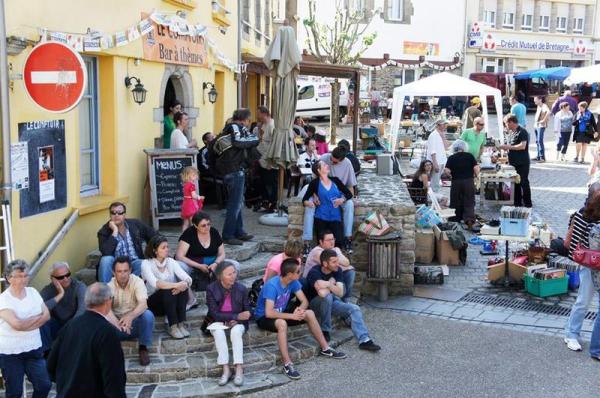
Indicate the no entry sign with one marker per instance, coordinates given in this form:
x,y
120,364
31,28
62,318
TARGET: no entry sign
x,y
55,77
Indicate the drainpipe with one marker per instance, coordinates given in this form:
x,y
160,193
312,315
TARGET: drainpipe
x,y
4,108
239,52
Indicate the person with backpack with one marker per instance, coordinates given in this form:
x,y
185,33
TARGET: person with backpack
x,y
233,151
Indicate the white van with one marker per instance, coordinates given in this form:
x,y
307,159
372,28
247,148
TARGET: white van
x,y
314,99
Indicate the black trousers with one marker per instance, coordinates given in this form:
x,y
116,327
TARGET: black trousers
x,y
268,188
163,302
522,190
337,227
462,199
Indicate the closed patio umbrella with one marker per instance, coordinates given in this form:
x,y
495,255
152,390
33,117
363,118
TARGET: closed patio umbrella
x,y
283,60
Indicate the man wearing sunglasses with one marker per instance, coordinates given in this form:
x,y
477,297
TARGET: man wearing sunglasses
x,y
64,297
121,237
475,137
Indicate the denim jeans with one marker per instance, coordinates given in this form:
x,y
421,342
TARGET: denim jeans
x,y
31,363
49,331
105,268
141,328
349,276
563,142
579,309
595,340
234,225
539,140
330,306
347,217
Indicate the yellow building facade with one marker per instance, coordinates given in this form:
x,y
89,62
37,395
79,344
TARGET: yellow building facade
x,y
105,135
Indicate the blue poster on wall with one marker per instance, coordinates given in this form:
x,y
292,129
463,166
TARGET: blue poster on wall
x,y
47,189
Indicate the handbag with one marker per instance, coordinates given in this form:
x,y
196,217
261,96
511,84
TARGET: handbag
x,y
586,257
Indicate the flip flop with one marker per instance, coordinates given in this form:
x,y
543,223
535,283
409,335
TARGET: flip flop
x,y
476,240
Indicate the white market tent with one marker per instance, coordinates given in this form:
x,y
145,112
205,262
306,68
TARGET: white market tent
x,y
447,84
586,74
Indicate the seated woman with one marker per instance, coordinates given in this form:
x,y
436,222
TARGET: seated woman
x,y
292,249
200,249
167,285
328,194
228,304
422,180
463,167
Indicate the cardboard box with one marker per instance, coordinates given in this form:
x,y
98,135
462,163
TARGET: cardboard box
x,y
380,128
444,251
515,271
424,245
496,272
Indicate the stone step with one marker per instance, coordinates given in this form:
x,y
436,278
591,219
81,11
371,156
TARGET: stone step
x,y
260,358
164,344
253,382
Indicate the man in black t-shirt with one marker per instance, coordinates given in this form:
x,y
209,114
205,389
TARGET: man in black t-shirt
x,y
462,166
518,157
324,290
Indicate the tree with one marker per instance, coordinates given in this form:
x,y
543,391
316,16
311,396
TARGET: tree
x,y
342,42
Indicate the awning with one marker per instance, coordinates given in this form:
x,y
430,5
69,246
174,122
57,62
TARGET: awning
x,y
587,74
556,73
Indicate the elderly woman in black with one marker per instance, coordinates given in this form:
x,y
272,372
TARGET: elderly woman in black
x,y
228,305
462,167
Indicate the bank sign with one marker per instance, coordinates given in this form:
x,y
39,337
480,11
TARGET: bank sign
x,y
489,41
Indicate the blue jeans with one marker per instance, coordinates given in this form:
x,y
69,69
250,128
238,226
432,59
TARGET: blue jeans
x,y
49,331
539,140
31,363
330,306
349,276
234,224
141,328
347,217
579,309
105,268
563,141
595,340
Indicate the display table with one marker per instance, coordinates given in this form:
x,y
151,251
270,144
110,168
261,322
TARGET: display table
x,y
507,239
494,177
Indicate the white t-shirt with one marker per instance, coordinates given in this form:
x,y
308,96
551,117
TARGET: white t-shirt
x,y
306,161
435,144
172,273
13,341
178,140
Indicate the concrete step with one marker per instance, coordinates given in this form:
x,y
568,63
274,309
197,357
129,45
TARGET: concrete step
x,y
253,382
257,358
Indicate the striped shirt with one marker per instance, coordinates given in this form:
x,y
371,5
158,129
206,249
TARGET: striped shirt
x,y
581,231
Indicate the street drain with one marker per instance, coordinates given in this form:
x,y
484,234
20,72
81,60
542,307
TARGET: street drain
x,y
522,304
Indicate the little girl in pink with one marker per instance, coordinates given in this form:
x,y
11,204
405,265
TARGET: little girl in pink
x,y
191,201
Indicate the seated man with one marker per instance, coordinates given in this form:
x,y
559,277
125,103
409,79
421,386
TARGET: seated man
x,y
340,167
292,249
344,144
324,290
64,297
327,241
273,315
121,237
129,313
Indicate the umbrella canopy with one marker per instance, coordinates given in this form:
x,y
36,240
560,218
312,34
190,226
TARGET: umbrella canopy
x,y
556,73
587,74
283,60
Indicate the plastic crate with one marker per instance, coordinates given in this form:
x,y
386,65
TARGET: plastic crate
x,y
514,226
368,132
545,288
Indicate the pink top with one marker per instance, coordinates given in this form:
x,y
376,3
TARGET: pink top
x,y
226,307
274,264
322,148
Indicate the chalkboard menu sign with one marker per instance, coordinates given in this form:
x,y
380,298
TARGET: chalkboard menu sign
x,y
164,169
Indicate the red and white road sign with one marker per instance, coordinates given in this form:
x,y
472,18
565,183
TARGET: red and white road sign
x,y
55,77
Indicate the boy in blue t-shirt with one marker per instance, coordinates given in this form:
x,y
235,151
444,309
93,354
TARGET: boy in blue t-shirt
x,y
270,313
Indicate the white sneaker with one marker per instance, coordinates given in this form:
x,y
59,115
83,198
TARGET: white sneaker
x,y
573,344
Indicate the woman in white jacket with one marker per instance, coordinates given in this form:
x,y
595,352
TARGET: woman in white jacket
x,y
167,285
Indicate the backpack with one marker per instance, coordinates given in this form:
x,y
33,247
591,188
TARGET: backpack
x,y
254,292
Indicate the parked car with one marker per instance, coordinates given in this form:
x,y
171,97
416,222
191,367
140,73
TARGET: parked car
x,y
314,99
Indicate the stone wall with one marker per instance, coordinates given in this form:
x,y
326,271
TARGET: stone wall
x,y
389,195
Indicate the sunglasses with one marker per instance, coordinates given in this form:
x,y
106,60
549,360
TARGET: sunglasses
x,y
61,277
117,213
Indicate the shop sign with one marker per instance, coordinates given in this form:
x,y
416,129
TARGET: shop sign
x,y
475,36
421,48
164,45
